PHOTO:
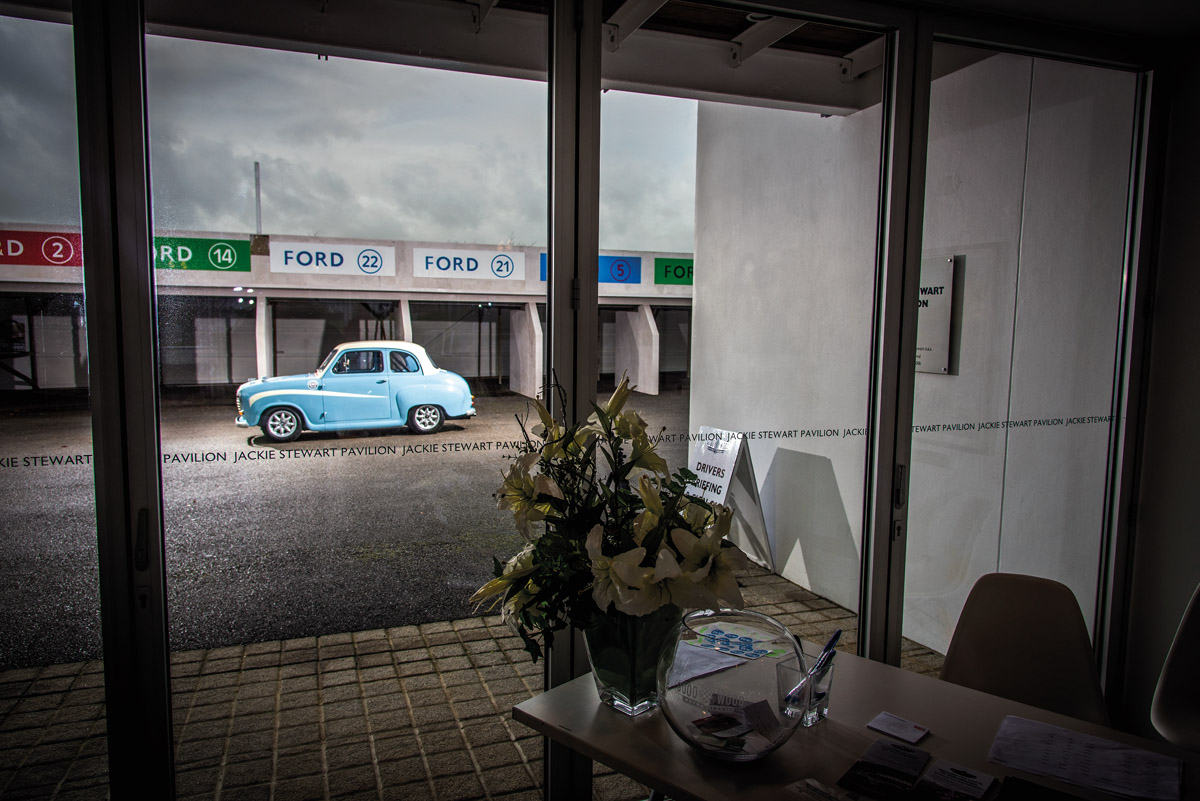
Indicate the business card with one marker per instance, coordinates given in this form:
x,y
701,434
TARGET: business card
x,y
898,727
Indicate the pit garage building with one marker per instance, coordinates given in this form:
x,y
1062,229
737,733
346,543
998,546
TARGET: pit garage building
x,y
237,306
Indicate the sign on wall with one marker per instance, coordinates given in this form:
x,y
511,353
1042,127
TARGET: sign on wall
x,y
613,269
326,258
935,304
673,271
41,248
190,253
490,265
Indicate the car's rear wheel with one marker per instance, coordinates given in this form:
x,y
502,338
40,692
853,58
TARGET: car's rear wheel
x,y
281,424
426,418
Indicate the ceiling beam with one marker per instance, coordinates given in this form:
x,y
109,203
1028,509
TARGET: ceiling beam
x,y
759,37
628,18
660,63
479,11
868,57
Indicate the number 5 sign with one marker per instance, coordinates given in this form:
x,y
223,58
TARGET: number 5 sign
x,y
41,249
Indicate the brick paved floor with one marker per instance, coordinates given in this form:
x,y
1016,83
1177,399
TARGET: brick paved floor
x,y
418,713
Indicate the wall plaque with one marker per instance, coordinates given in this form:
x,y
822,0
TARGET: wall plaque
x,y
934,304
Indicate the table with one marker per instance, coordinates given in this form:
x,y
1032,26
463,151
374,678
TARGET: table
x,y
962,723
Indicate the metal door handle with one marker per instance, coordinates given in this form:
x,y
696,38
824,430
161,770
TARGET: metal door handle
x,y
381,381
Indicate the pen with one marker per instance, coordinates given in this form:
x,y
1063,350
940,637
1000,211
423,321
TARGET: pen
x,y
826,654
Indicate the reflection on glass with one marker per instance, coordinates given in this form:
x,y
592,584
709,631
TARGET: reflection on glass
x,y
753,313
51,674
326,528
1027,182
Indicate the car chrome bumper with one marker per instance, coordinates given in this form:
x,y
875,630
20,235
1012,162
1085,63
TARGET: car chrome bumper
x,y
241,422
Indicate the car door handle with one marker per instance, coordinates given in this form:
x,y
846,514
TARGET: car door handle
x,y
381,381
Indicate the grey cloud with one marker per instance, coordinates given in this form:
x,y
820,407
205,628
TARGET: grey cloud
x,y
39,154
348,148
492,193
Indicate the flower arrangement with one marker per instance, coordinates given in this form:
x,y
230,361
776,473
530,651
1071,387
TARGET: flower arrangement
x,y
608,529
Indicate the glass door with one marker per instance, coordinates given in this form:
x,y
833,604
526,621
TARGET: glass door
x,y
1023,266
739,209
347,257
52,724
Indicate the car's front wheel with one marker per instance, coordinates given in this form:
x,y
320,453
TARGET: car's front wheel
x,y
426,418
281,424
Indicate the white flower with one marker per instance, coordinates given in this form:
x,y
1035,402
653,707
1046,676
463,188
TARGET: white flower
x,y
709,565
624,582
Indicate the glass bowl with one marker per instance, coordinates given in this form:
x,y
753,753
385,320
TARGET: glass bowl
x,y
732,683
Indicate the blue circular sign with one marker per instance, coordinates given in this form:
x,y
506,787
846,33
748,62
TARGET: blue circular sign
x,y
620,270
502,266
369,261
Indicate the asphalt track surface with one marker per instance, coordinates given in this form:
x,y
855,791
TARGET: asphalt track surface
x,y
331,533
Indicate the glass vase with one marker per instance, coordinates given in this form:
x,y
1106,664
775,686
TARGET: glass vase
x,y
624,651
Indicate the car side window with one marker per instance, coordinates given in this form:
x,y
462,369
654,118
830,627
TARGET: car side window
x,y
359,361
404,363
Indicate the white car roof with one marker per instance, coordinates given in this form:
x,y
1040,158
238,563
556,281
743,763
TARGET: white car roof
x,y
413,347
396,344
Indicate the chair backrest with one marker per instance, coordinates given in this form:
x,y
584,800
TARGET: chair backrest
x,y
1024,638
1175,711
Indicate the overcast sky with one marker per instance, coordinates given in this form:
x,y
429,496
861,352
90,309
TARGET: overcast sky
x,y
347,148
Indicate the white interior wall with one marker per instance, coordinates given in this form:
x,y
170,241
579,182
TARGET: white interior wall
x,y
972,210
785,244
786,209
1027,175
1068,303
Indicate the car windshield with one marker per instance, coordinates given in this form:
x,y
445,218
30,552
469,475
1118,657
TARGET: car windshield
x,y
325,362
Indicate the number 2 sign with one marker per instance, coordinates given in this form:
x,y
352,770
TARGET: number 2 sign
x,y
41,249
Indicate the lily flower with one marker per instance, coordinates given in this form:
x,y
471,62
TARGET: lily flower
x,y
640,590
604,589
519,566
708,564
519,494
629,425
611,409
643,455
648,518
544,485
616,401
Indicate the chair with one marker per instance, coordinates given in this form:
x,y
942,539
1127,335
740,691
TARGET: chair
x,y
1175,710
1024,638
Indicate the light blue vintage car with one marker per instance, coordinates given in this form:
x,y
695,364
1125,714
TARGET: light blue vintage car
x,y
379,384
